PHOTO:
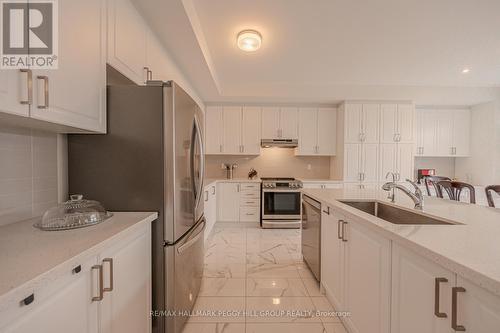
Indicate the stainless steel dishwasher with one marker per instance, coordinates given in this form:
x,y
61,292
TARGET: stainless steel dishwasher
x,y
311,234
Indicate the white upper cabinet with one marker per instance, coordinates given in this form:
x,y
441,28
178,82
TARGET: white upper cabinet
x,y
352,125
461,132
280,123
14,92
308,136
388,123
443,132
289,118
155,59
232,130
370,123
71,98
250,130
213,130
270,122
75,93
327,129
396,123
406,123
127,35
361,123
317,129
231,119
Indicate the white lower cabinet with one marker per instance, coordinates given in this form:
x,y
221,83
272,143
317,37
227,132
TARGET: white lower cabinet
x,y
108,292
367,276
387,287
127,286
228,202
416,307
332,258
238,202
63,306
210,207
356,272
478,311
429,298
325,185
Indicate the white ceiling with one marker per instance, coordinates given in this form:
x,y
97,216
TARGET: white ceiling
x,y
327,50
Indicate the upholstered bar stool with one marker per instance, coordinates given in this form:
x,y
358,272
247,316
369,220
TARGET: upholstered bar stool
x,y
433,181
454,190
489,197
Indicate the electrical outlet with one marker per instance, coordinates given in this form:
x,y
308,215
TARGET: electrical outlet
x,y
309,167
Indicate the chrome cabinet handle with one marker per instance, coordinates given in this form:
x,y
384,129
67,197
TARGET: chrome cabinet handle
x,y
213,189
206,195
220,148
437,282
101,279
111,278
238,187
45,91
343,231
149,74
339,223
29,83
454,306
327,211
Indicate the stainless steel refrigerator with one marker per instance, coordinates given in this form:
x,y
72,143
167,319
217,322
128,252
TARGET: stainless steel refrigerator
x,y
151,159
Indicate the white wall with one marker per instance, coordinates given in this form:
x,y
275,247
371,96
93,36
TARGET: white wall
x,y
28,173
483,166
445,166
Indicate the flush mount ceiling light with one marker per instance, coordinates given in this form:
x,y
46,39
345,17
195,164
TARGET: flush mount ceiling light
x,y
249,40
465,70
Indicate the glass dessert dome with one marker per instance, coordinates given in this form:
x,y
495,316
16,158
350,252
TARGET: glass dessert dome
x,y
74,213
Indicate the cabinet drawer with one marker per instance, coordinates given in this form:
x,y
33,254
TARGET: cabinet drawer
x,y
249,214
250,186
249,195
67,288
250,202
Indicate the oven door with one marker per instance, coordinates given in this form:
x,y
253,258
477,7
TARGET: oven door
x,y
281,204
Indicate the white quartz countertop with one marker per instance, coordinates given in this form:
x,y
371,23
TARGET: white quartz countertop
x,y
27,252
306,180
470,248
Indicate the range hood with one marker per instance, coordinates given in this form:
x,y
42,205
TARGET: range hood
x,y
282,143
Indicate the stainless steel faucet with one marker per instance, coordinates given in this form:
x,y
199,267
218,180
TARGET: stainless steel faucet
x,y
390,194
417,197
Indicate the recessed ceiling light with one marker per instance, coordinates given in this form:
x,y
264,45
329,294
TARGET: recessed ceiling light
x,y
465,70
249,40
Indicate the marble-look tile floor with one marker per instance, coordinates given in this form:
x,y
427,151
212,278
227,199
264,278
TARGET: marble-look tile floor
x,y
258,278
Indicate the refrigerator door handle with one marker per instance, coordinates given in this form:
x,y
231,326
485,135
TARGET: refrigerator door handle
x,y
193,239
197,139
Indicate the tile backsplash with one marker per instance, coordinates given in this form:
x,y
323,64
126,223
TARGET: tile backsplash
x,y
28,173
272,162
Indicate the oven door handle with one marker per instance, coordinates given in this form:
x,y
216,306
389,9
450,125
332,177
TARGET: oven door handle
x,y
281,191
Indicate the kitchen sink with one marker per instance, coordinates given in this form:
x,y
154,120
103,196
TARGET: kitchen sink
x,y
393,214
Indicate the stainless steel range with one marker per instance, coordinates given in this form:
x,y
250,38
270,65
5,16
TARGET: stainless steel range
x,y
281,207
